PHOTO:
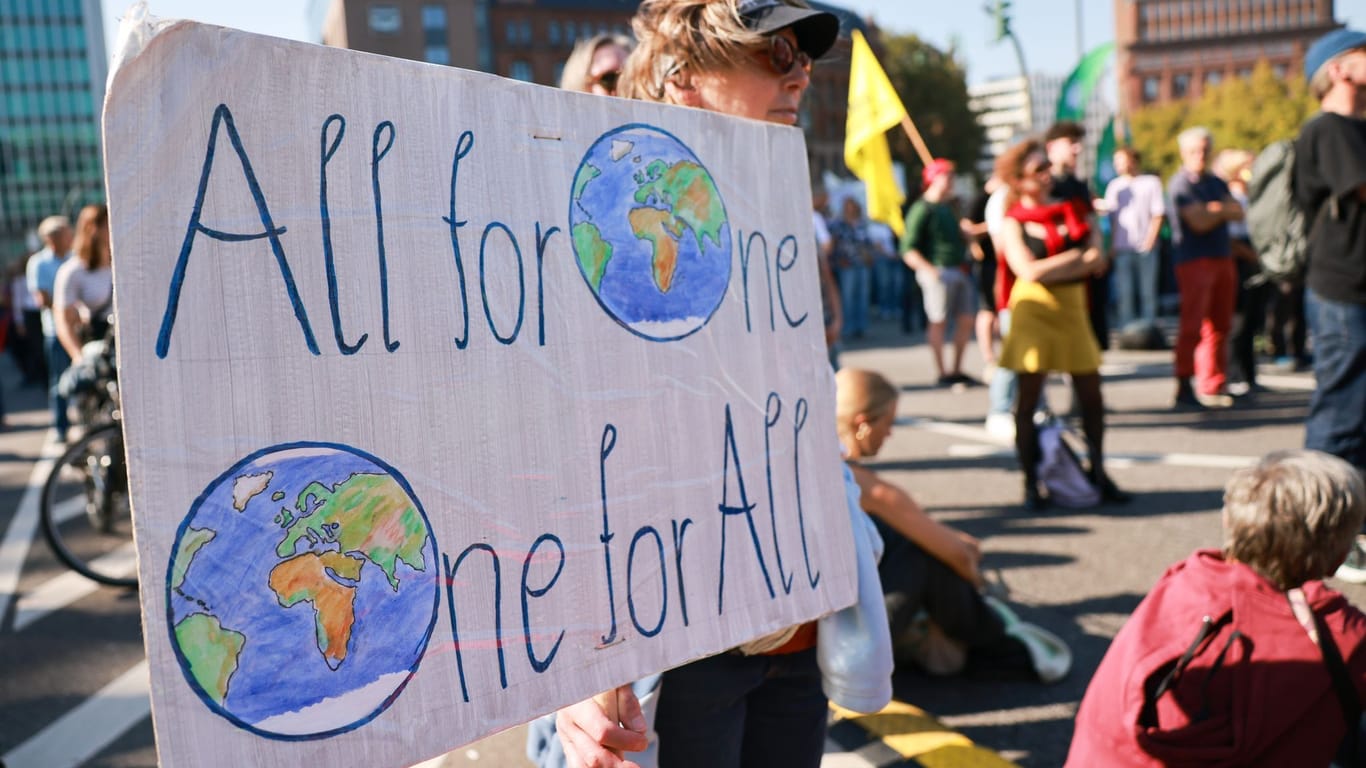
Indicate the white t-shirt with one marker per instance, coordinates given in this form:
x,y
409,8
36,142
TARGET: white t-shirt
x,y
1133,202
822,231
87,290
995,214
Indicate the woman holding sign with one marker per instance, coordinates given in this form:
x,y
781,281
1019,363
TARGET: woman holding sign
x,y
762,704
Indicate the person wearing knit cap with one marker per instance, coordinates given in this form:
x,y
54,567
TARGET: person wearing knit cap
x,y
1330,187
933,246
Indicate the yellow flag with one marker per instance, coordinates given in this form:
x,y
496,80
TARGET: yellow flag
x,y
873,108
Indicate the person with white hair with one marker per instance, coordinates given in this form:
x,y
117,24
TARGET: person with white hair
x,y
1242,655
1205,274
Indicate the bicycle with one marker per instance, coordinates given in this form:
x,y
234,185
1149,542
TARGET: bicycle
x,y
86,514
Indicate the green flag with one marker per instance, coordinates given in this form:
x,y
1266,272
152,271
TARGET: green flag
x,y
1076,91
1105,156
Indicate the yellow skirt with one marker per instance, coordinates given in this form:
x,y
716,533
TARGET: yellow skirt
x,y
1050,330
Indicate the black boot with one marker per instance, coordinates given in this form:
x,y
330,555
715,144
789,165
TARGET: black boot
x,y
1109,492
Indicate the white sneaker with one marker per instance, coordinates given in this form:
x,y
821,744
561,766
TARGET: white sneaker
x,y
1353,569
1049,653
1001,425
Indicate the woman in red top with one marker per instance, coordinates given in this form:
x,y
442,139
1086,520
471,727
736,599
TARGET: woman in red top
x,y
1051,249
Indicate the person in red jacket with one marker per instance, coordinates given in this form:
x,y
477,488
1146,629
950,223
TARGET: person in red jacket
x,y
1223,663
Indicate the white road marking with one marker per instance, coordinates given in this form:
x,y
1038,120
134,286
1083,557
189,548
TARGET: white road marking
x,y
86,729
1061,711
22,527
1120,460
1281,381
991,446
68,509
57,593
953,430
835,758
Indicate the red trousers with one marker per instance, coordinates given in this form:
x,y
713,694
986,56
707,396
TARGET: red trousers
x,y
1208,289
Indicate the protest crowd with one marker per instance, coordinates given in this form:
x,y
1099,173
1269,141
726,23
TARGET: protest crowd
x,y
1039,275
1022,261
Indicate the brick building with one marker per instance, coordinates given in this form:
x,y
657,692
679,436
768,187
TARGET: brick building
x,y
530,39
1171,49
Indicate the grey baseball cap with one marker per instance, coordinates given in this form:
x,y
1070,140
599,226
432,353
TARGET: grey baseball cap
x,y
816,30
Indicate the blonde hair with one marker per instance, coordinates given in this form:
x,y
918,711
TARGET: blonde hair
x,y
1229,164
87,244
574,76
861,393
675,34
1321,83
1293,516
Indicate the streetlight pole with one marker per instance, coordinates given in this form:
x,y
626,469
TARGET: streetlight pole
x,y
1000,13
1081,45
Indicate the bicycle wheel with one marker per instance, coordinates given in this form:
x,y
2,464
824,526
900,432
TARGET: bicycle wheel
x,y
85,511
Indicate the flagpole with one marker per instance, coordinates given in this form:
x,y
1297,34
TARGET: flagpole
x,y
918,142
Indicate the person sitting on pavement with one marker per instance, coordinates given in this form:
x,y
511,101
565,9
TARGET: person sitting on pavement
x,y
934,247
1051,250
931,574
1229,660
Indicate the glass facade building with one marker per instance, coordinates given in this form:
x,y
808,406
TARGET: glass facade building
x,y
52,76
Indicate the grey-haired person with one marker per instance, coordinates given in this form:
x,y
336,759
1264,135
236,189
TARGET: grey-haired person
x,y
1227,661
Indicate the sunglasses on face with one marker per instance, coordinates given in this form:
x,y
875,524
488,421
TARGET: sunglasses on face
x,y
783,56
608,80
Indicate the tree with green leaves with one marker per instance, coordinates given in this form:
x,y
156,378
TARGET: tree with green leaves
x,y
1242,113
933,87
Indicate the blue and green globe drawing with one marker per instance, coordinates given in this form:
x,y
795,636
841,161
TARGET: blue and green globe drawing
x,y
302,590
650,232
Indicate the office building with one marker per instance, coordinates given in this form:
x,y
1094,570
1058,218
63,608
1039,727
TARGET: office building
x,y
1168,50
1000,105
52,74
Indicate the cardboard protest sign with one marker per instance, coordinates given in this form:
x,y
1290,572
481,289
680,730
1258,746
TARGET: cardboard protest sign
x,y
451,400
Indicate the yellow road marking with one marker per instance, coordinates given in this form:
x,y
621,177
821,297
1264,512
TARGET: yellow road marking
x,y
916,735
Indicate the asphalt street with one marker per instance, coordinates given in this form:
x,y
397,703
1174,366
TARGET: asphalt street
x,y
73,686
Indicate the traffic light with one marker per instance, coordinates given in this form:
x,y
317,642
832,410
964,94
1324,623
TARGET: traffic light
x,y
1000,17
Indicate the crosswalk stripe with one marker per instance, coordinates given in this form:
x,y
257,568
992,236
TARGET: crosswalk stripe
x,y
83,731
1113,460
57,593
23,526
989,446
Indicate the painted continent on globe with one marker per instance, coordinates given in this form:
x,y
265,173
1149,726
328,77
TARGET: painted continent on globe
x,y
650,232
303,618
